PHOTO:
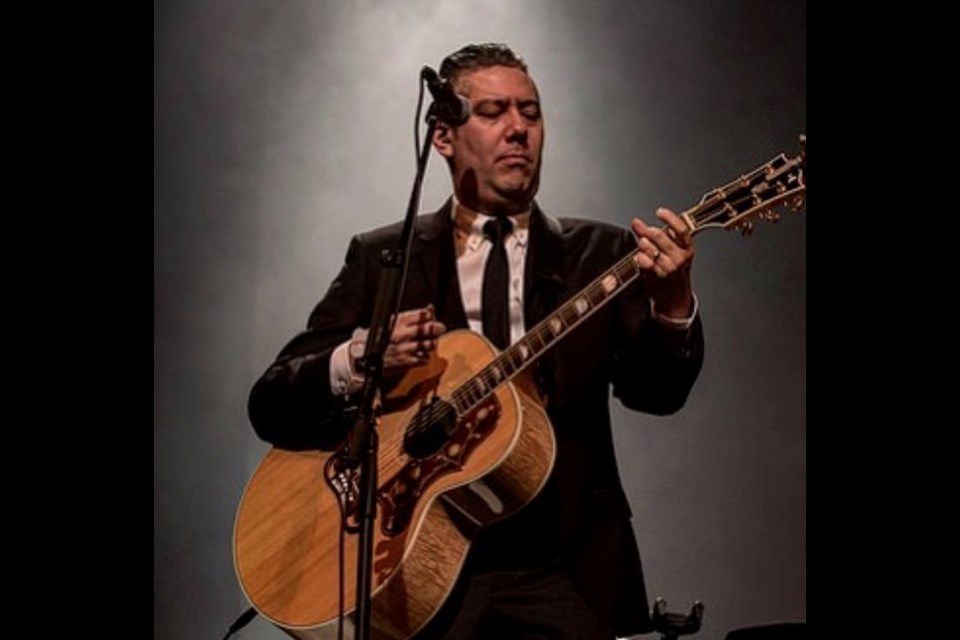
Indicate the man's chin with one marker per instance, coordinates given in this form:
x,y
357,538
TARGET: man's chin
x,y
516,189
520,195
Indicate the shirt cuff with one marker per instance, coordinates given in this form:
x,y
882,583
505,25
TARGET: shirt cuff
x,y
676,323
343,379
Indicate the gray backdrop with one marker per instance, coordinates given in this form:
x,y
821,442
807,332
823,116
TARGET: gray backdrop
x,y
281,128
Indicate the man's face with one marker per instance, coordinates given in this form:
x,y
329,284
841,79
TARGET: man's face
x,y
496,153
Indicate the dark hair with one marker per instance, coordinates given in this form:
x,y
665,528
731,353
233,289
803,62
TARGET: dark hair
x,y
479,56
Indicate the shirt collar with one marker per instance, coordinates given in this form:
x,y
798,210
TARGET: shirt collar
x,y
470,223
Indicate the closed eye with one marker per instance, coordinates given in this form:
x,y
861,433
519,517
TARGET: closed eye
x,y
490,108
493,109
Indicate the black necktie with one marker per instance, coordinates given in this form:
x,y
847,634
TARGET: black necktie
x,y
496,309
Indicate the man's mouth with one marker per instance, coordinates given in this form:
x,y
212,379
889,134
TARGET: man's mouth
x,y
515,159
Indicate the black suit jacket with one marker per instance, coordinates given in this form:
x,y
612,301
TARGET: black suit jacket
x,y
581,518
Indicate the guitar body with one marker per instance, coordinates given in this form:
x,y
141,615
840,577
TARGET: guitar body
x,y
288,527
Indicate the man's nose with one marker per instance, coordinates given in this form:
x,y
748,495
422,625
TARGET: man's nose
x,y
516,124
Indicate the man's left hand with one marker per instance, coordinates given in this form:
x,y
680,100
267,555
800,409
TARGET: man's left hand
x,y
665,259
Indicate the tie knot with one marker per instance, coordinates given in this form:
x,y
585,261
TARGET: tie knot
x,y
497,229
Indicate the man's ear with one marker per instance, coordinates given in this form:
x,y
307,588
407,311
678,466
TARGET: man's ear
x,y
441,140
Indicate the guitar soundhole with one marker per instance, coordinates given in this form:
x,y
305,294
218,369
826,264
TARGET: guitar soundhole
x,y
450,442
430,429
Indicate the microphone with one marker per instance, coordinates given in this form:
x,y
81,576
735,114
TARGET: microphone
x,y
448,106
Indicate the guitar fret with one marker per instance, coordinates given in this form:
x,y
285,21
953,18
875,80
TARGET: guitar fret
x,y
531,341
535,340
513,362
626,269
509,365
503,361
590,295
595,296
545,337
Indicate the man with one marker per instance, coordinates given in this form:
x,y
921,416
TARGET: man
x,y
566,565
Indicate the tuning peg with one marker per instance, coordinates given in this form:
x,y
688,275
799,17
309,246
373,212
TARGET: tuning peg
x,y
746,228
796,203
770,215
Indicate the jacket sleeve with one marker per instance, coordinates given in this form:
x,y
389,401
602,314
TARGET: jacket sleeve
x,y
292,405
654,366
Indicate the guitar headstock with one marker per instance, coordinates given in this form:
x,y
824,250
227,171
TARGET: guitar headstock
x,y
756,195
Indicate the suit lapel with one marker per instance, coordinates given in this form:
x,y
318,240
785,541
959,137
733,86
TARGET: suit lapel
x,y
436,255
543,284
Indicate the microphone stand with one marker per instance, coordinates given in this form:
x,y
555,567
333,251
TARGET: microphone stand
x,y
363,443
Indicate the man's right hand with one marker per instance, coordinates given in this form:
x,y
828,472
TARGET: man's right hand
x,y
414,337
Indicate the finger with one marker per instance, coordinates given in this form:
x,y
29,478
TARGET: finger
x,y
426,314
398,365
411,318
404,333
642,235
406,318
639,227
646,262
422,347
667,247
405,356
652,258
677,229
649,249
677,242
665,265
415,316
413,346
660,239
418,332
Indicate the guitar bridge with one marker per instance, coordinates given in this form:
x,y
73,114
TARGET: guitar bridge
x,y
345,484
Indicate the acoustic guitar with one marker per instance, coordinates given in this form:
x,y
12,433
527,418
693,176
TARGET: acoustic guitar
x,y
464,441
